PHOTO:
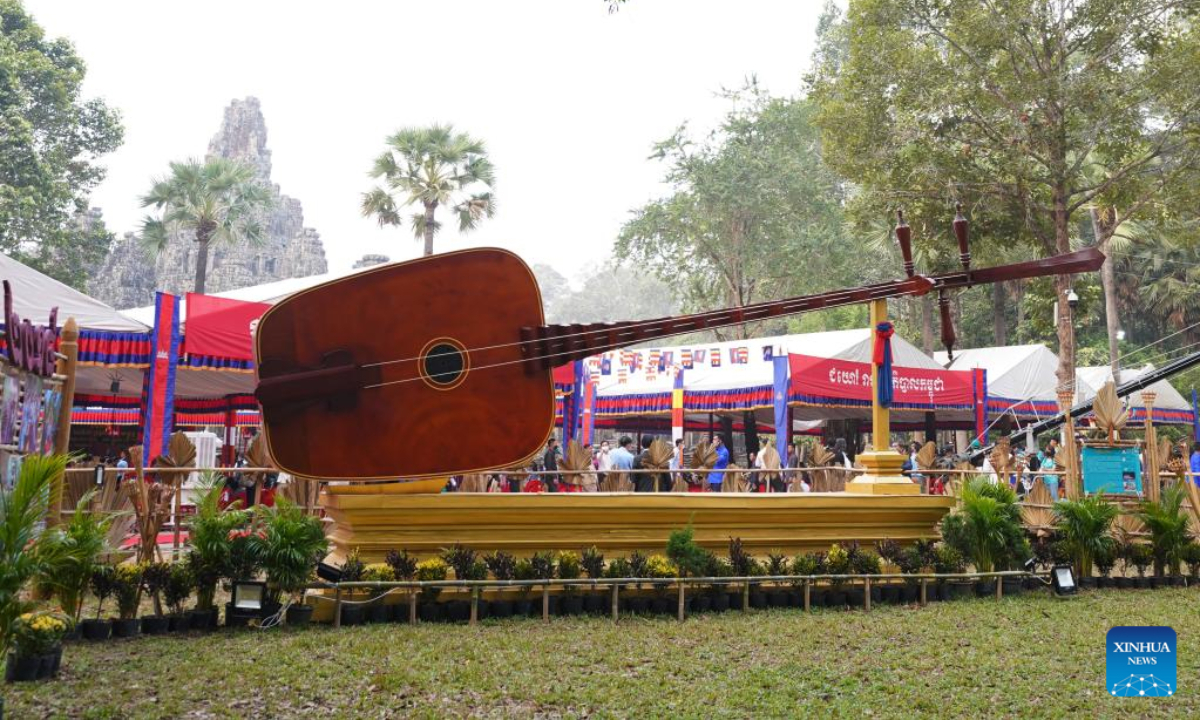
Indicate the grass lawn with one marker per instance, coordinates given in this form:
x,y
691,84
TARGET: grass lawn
x,y
1020,657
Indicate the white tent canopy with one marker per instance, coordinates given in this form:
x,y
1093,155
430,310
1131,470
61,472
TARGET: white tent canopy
x,y
1092,379
34,294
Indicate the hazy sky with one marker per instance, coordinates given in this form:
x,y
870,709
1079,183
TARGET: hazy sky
x,y
568,97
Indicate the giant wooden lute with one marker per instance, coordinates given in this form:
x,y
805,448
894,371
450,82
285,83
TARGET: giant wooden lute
x,y
443,365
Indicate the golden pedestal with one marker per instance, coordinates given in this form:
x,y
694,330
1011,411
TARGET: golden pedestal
x,y
883,476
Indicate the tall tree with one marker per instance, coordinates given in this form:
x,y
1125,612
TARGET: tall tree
x,y
50,138
1035,109
217,201
754,215
432,167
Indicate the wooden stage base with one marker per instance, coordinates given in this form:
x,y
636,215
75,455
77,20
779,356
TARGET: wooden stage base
x,y
379,518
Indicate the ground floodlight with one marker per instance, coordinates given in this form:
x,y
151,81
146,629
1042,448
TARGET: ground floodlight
x,y
1064,580
249,594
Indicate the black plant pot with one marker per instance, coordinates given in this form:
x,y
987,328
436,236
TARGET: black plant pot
x,y
960,590
570,605
940,592
55,665
1087,583
736,601
46,667
1155,582
660,606
178,623
22,669
836,599
1141,583
523,607
299,615
429,612
378,613
1031,582
595,603
502,608
352,614
985,588
94,629
555,603
778,598
720,602
1102,583
856,598
795,598
75,633
818,598
638,605
876,594
154,624
758,600
890,594
1177,581
1123,582
1012,586
910,593
126,628
702,603
203,620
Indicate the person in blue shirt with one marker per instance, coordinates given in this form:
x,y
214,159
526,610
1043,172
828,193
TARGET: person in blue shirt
x,y
622,457
716,476
1196,464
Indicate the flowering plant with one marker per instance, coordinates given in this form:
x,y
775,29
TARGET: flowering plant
x,y
38,633
378,572
127,588
432,569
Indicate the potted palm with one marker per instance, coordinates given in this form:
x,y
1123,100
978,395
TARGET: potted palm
x,y
127,589
1191,555
987,529
210,554
102,586
1167,523
155,576
1083,526
176,591
288,546
67,557
502,566
592,561
404,569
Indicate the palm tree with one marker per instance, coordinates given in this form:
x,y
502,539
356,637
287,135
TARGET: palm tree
x,y
431,166
1084,526
219,200
1167,522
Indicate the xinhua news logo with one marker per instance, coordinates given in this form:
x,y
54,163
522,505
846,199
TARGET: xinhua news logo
x,y
1141,661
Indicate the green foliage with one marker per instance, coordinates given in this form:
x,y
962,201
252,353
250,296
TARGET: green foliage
x,y
102,584
178,588
38,633
739,559
1083,526
155,577
1167,523
523,570
217,201
431,570
69,554
1191,555
404,566
947,560
618,568
837,560
911,561
1140,556
378,572
638,565
21,509
244,560
50,140
210,556
127,586
460,558
569,565
809,564
289,546
988,528
543,565
431,167
502,565
866,563
889,550
477,571
593,562
352,567
683,550
1105,559
747,202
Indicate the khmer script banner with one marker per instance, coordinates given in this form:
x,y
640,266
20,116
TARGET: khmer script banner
x,y
826,378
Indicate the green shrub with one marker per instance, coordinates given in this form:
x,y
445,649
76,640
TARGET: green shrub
x,y
988,528
103,584
404,566
502,565
1083,526
569,565
352,567
543,565
155,577
288,547
777,564
618,568
1167,522
739,558
867,563
947,560
593,562
178,587
460,558
691,559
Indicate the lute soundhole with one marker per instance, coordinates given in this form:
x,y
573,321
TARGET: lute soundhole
x,y
444,363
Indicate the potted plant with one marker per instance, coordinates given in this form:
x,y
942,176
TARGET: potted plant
x,y
638,566
910,562
987,529
404,569
176,591
660,568
544,569
570,567
102,588
460,559
127,589
502,566
37,651
209,557
1167,522
949,561
523,570
378,612
837,562
1083,527
352,571
1191,555
777,565
155,576
866,562
67,556
890,551
804,566
592,561
431,570
1141,556
1104,561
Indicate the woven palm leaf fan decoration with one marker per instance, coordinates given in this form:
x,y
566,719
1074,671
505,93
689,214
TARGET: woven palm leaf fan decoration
x,y
704,456
473,483
733,482
770,462
257,456
658,457
578,461
1111,416
821,457
151,506
1037,510
927,456
1126,527
1001,457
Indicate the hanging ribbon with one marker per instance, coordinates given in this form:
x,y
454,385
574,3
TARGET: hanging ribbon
x,y
883,362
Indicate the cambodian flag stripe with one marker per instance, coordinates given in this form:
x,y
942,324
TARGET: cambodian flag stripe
x,y
159,393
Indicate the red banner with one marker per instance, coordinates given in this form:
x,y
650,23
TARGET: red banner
x,y
829,379
221,327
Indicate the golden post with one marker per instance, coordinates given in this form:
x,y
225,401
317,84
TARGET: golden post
x,y
69,348
883,475
1069,482
1152,482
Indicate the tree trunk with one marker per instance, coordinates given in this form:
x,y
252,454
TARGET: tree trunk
x,y
430,208
999,326
1062,283
201,260
1103,229
1019,299
927,339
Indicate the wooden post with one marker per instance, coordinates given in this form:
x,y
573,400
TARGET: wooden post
x,y
616,603
474,605
1152,482
412,607
999,587
924,592
682,602
177,517
1068,484
746,597
807,596
867,594
69,347
337,607
546,603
